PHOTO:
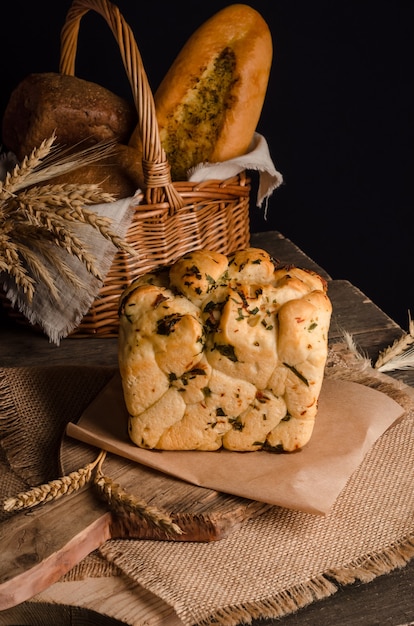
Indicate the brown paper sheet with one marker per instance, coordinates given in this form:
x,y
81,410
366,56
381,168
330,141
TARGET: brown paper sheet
x,y
351,417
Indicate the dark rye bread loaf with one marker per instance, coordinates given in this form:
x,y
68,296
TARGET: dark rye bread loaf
x,y
81,114
77,110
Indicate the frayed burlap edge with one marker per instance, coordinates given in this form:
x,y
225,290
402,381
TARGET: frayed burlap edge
x,y
366,569
319,588
36,460
284,603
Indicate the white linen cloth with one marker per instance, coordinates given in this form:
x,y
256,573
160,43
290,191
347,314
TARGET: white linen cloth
x,y
58,318
257,158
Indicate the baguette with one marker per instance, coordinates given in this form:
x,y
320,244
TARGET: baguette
x,y
209,103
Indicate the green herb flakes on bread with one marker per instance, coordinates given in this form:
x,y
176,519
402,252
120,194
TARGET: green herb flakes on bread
x,y
221,351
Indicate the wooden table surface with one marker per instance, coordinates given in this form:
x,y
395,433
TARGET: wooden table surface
x,y
386,601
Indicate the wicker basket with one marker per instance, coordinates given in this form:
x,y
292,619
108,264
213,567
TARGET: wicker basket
x,y
175,217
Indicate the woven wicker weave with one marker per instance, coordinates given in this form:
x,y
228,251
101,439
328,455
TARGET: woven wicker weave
x,y
174,218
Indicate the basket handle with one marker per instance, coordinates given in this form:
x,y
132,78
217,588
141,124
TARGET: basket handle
x,y
156,169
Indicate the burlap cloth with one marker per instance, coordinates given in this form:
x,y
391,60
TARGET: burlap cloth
x,y
273,564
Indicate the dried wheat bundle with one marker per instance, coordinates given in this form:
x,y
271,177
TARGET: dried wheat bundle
x,y
37,219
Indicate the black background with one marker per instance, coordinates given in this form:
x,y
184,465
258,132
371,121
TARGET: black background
x,y
338,118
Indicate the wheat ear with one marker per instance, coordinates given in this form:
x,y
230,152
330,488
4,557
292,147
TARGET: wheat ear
x,y
117,499
392,357
54,489
123,503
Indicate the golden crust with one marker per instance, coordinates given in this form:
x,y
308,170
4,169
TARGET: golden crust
x,y
291,434
238,364
209,103
197,273
252,266
262,416
247,325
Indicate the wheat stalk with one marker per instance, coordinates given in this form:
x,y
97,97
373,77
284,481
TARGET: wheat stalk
x,y
10,262
400,354
352,346
47,161
47,251
36,268
123,503
118,500
20,176
36,219
54,489
403,361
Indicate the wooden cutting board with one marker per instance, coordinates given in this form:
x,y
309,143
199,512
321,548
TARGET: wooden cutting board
x,y
40,545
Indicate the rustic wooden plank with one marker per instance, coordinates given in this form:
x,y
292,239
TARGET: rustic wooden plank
x,y
21,346
46,614
285,251
106,601
38,547
203,514
41,546
355,312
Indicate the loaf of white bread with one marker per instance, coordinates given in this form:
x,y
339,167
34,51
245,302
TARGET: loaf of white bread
x,y
224,351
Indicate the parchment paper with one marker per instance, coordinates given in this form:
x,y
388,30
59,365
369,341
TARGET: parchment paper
x,y
350,419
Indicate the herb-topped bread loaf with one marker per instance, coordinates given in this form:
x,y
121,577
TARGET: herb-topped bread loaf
x,y
218,351
210,100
